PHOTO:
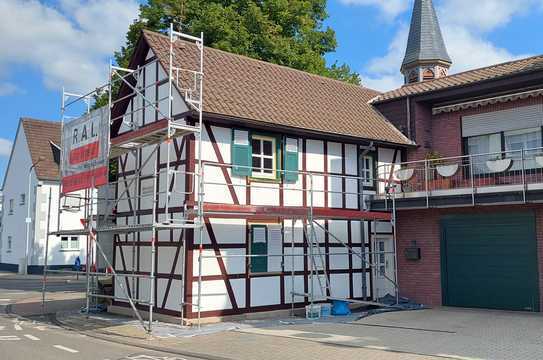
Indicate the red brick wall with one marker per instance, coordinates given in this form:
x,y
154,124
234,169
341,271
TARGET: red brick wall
x,y
443,132
421,280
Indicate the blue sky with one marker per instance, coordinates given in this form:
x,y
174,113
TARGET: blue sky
x,y
55,43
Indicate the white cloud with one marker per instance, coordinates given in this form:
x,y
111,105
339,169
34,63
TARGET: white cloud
x,y
70,45
5,147
7,88
391,8
465,25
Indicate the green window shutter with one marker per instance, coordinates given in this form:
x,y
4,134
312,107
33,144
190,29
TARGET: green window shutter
x,y
291,160
259,246
241,152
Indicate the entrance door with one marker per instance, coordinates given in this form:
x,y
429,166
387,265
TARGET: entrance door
x,y
383,258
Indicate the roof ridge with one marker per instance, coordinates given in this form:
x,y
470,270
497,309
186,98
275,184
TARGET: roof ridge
x,y
472,70
26,118
270,63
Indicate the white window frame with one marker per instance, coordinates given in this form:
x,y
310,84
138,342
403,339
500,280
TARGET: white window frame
x,y
70,240
366,173
23,199
259,173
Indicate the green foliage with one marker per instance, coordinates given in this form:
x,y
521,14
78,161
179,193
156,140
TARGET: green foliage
x,y
285,32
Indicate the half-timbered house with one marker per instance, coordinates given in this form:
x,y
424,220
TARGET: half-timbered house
x,y
275,142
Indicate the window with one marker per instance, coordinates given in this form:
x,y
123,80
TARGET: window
x,y
428,74
69,243
525,139
23,198
489,147
264,157
413,77
366,170
266,240
9,244
486,147
10,207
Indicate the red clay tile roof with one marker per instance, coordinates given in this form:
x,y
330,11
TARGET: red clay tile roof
x,y
245,88
493,72
39,135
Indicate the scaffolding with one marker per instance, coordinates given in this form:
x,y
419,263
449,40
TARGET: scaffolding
x,y
97,205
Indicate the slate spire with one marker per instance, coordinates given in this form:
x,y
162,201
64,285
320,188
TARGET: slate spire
x,y
426,56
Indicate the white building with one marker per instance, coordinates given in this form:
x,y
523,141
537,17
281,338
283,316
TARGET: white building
x,y
34,159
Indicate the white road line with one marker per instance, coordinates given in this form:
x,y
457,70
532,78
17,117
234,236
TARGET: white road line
x,y
31,337
9,338
5,300
40,328
65,348
17,327
2,327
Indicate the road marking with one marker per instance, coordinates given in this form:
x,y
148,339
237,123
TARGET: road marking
x,y
9,337
5,300
40,327
17,327
31,337
2,327
65,348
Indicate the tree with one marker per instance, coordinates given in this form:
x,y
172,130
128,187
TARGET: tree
x,y
285,32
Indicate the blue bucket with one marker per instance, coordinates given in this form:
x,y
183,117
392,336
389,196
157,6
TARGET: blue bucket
x,y
340,308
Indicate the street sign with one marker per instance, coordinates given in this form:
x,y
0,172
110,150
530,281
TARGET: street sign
x,y
85,143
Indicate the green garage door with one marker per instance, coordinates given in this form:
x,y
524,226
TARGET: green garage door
x,y
490,261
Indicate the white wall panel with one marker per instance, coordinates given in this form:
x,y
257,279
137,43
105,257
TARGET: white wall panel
x,y
166,258
214,296
335,162
298,288
298,231
339,284
351,159
265,291
339,258
357,285
314,155
265,194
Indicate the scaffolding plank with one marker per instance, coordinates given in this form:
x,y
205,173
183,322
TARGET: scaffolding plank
x,y
263,211
153,133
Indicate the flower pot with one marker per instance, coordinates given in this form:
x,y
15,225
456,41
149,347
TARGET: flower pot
x,y
447,170
404,174
500,165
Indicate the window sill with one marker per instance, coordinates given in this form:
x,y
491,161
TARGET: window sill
x,y
264,180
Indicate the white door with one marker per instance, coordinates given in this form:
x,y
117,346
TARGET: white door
x,y
383,258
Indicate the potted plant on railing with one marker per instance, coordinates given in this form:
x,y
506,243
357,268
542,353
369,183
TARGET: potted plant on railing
x,y
439,172
497,164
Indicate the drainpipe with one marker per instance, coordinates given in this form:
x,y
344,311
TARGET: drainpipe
x,y
28,219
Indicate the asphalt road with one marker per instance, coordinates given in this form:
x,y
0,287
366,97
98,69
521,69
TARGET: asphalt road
x,y
24,338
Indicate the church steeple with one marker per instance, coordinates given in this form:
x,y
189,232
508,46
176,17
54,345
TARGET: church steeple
x,y
426,56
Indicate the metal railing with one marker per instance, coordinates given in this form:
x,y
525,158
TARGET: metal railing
x,y
515,170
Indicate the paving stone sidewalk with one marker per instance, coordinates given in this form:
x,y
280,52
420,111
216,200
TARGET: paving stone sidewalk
x,y
225,340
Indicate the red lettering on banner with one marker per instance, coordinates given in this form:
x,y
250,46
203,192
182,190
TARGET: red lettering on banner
x,y
85,180
84,153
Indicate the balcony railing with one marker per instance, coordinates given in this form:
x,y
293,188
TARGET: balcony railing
x,y
517,171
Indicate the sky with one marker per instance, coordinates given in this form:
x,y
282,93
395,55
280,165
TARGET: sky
x,y
48,44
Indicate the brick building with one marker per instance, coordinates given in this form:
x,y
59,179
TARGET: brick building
x,y
469,229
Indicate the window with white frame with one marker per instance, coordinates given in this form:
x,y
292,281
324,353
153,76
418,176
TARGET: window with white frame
x,y
366,170
483,148
9,243
10,207
23,199
264,156
69,243
518,140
